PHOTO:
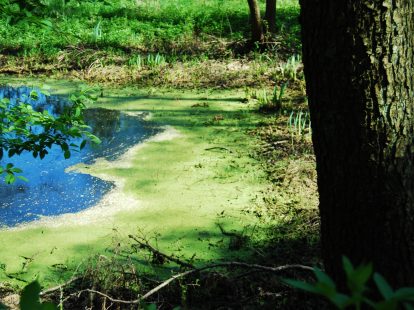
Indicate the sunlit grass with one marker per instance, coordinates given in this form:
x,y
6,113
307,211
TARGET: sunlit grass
x,y
153,25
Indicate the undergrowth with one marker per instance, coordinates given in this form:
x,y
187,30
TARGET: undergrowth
x,y
169,43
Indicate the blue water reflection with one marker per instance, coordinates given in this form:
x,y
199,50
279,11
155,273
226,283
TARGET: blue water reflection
x,y
50,191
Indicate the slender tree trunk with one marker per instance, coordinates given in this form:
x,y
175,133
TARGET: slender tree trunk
x,y
256,21
270,15
359,68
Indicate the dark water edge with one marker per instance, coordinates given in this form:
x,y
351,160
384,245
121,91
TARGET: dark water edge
x,y
50,190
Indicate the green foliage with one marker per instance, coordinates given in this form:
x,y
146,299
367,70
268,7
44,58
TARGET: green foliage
x,y
151,60
278,95
272,101
17,11
97,32
166,26
155,60
26,130
299,123
291,69
29,299
357,279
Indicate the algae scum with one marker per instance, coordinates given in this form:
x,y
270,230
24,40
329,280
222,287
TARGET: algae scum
x,y
50,190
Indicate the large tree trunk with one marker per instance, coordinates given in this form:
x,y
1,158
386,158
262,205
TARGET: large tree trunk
x,y
359,68
270,15
256,21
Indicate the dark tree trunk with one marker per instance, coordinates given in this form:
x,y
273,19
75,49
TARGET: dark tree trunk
x,y
270,15
359,68
256,21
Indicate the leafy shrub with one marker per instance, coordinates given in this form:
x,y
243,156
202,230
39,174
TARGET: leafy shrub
x,y
359,295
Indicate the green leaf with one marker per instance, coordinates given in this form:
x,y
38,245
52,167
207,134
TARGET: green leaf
x,y
43,153
66,154
95,139
386,305
34,95
16,170
83,144
383,286
405,293
10,179
23,178
3,307
323,277
64,147
340,300
150,307
362,274
47,23
348,267
326,290
29,299
77,111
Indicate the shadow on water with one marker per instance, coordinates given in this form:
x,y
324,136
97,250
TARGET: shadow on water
x,y
50,190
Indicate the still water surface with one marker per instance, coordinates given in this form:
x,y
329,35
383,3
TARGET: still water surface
x,y
50,190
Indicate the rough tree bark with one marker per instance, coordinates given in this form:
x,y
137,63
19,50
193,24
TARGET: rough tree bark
x,y
256,21
270,15
359,68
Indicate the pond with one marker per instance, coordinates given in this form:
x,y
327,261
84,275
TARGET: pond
x,y
50,190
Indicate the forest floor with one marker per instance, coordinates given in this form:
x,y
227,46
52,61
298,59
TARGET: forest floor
x,y
232,179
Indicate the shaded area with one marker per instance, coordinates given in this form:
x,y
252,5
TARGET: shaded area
x,y
51,191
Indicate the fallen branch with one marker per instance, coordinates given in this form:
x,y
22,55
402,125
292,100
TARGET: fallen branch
x,y
188,272
228,264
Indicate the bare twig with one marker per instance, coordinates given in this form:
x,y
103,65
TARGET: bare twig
x,y
71,280
218,148
165,283
120,301
147,246
55,288
227,233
